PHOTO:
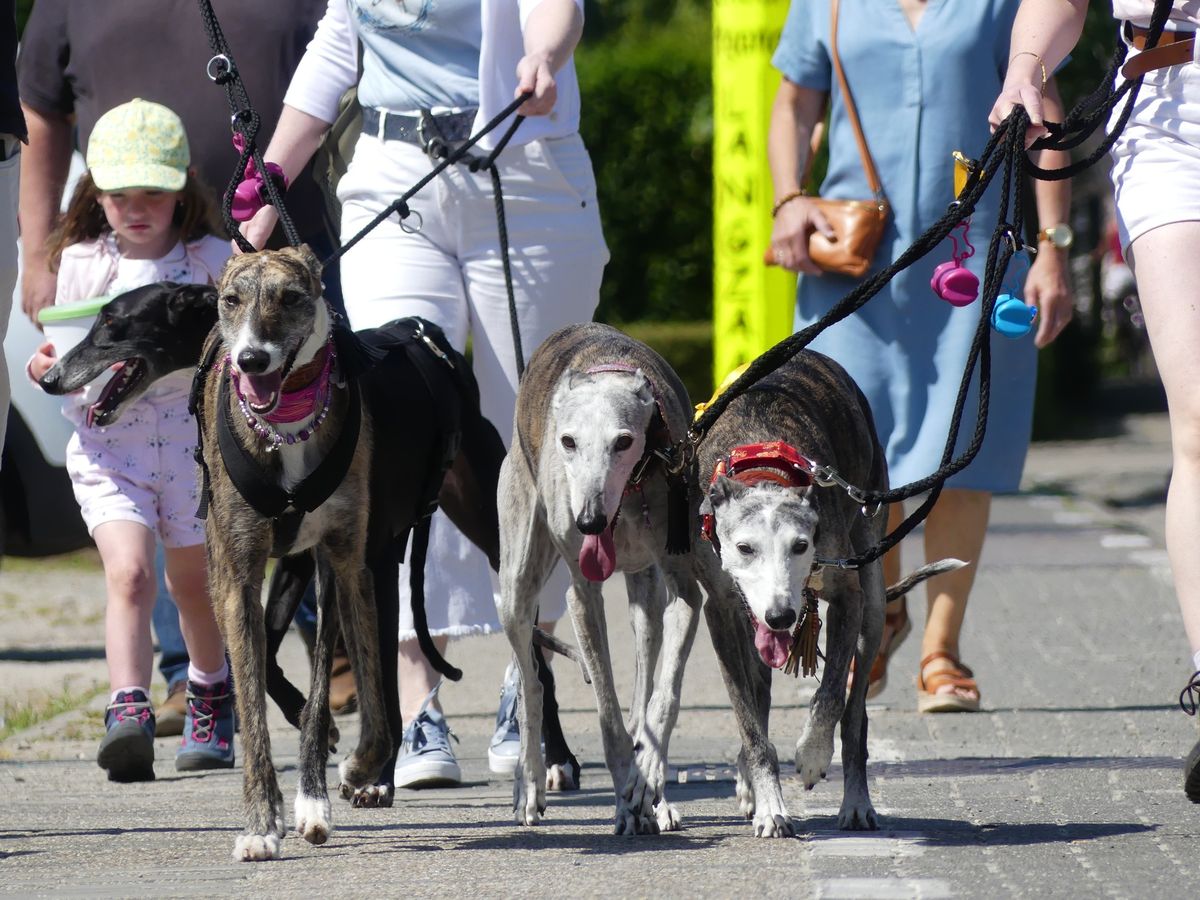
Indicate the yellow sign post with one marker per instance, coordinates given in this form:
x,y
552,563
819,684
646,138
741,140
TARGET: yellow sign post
x,y
752,304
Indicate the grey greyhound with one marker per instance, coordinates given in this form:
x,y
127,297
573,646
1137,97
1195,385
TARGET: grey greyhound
x,y
583,481
768,523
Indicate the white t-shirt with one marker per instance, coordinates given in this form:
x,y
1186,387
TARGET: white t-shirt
x,y
1184,13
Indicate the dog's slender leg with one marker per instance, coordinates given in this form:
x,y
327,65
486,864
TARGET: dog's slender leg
x,y
562,768
360,628
679,623
732,642
288,582
385,576
634,815
314,819
527,557
647,600
814,750
857,813
240,614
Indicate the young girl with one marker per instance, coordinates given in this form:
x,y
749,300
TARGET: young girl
x,y
139,216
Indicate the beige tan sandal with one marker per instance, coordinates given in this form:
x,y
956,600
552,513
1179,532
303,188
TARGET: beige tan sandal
x,y
960,677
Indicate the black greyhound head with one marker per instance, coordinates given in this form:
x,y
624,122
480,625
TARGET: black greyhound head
x,y
147,333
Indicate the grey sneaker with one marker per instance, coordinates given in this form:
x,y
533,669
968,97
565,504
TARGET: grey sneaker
x,y
426,759
504,750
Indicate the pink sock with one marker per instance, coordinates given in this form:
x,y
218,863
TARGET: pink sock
x,y
208,679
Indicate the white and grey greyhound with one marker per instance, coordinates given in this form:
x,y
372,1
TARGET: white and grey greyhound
x,y
584,480
768,525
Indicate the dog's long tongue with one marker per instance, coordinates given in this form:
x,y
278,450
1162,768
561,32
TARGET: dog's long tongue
x,y
261,390
772,646
598,555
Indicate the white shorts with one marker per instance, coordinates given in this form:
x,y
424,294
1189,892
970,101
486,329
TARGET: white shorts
x,y
1156,160
444,263
140,469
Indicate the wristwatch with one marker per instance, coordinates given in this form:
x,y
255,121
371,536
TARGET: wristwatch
x,y
1061,236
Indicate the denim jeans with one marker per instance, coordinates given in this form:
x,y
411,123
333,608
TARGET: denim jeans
x,y
165,618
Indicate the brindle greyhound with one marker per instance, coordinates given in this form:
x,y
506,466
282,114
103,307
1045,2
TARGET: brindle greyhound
x,y
160,328
157,329
768,525
583,481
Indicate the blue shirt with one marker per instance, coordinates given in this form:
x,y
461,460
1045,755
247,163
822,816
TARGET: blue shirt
x,y
419,54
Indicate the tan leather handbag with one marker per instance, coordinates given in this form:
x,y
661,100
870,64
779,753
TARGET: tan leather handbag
x,y
858,225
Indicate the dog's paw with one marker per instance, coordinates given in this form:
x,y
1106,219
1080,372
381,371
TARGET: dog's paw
x,y
637,802
314,820
668,817
529,801
634,821
373,796
353,772
857,815
745,794
814,753
564,777
775,825
256,847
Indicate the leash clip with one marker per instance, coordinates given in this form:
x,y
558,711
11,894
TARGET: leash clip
x,y
432,344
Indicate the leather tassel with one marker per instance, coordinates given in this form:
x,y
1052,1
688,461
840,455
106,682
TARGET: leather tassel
x,y
802,659
679,539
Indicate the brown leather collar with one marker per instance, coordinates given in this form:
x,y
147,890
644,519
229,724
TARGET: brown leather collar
x,y
1174,49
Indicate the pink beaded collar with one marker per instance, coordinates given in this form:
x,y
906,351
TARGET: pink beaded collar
x,y
312,400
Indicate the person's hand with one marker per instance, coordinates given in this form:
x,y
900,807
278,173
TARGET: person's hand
x,y
534,75
42,361
795,221
257,230
1020,90
38,286
1047,288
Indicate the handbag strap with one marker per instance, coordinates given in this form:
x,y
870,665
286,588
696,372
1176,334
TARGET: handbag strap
x,y
868,164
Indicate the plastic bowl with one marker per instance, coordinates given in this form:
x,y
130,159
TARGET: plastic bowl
x,y
68,324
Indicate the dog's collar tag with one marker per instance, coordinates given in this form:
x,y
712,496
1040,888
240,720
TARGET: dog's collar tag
x,y
774,461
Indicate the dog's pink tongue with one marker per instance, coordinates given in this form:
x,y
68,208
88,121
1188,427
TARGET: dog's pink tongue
x,y
260,389
772,646
598,556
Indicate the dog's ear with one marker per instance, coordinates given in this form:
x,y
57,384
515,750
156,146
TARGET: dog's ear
x,y
304,255
645,390
722,491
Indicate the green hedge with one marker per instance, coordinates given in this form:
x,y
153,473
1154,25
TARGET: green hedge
x,y
647,122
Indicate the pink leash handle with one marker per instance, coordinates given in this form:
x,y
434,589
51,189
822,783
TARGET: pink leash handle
x,y
251,195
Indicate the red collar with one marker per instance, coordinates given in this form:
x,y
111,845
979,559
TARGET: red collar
x,y
773,461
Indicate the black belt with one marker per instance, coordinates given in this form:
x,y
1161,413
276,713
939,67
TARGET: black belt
x,y
421,129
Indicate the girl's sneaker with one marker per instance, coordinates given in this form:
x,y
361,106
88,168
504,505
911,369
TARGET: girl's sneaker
x,y
207,728
127,750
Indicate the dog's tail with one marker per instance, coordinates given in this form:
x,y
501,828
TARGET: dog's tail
x,y
904,585
416,583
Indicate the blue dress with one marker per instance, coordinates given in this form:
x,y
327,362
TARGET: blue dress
x,y
920,96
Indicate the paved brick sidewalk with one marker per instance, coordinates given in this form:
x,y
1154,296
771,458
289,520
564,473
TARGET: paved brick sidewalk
x,y
1068,785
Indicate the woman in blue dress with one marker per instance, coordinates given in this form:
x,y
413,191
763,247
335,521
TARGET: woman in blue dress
x,y
923,75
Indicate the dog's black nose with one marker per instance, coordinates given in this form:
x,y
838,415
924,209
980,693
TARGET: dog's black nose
x,y
591,523
50,380
253,360
781,619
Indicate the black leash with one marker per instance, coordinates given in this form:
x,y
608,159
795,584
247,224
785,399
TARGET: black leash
x,y
246,122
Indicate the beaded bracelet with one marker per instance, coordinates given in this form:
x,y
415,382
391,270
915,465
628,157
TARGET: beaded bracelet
x,y
786,199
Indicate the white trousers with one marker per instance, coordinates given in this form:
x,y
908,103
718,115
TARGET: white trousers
x,y
443,263
9,181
